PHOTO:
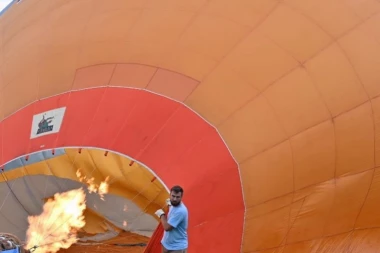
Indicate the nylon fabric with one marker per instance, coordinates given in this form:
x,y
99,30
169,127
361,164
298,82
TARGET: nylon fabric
x,y
267,112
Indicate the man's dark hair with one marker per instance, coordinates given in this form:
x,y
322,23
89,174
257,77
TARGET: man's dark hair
x,y
177,189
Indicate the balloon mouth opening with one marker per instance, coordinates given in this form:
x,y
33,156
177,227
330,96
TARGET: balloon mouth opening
x,y
94,222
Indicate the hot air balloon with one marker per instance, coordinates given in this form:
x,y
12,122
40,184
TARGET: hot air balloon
x,y
266,112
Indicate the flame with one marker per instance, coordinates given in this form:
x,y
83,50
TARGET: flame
x,y
57,225
62,217
92,187
103,188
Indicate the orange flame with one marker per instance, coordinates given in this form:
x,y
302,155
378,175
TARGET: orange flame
x,y
57,225
62,217
92,187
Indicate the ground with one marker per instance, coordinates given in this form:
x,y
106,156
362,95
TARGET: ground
x,y
109,245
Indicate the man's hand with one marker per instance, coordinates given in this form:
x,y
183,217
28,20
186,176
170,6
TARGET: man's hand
x,y
168,203
159,213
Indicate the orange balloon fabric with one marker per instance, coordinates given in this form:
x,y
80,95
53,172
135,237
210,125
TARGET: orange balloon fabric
x,y
266,111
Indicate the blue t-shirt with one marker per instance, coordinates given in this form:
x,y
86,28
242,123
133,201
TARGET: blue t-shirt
x,y
11,251
176,239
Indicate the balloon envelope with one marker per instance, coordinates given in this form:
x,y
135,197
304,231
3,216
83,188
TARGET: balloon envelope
x,y
266,112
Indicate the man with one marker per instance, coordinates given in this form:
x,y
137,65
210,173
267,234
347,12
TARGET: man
x,y
175,235
10,243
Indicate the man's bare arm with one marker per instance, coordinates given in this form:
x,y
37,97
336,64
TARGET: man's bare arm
x,y
165,223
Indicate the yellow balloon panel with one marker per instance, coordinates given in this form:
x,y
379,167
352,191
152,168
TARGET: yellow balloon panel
x,y
126,179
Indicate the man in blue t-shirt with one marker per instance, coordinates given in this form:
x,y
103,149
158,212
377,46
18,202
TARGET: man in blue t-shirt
x,y
175,225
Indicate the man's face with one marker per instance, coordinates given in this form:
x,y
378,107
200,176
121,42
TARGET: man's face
x,y
175,198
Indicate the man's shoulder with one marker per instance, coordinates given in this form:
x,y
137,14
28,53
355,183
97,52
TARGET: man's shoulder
x,y
181,209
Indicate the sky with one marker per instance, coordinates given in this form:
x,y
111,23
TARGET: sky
x,y
4,3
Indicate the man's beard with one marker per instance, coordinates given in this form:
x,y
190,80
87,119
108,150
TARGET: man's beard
x,y
175,204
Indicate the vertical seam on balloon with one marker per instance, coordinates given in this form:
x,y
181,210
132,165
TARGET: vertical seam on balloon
x,y
94,165
133,24
335,147
95,114
15,17
139,154
315,86
284,240
294,190
112,73
291,224
11,192
286,51
284,141
151,78
374,158
232,50
191,92
331,207
335,170
369,100
335,40
2,204
195,15
30,141
294,8
255,96
276,115
81,43
352,10
126,120
21,13
365,199
353,69
49,167
39,221
15,225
